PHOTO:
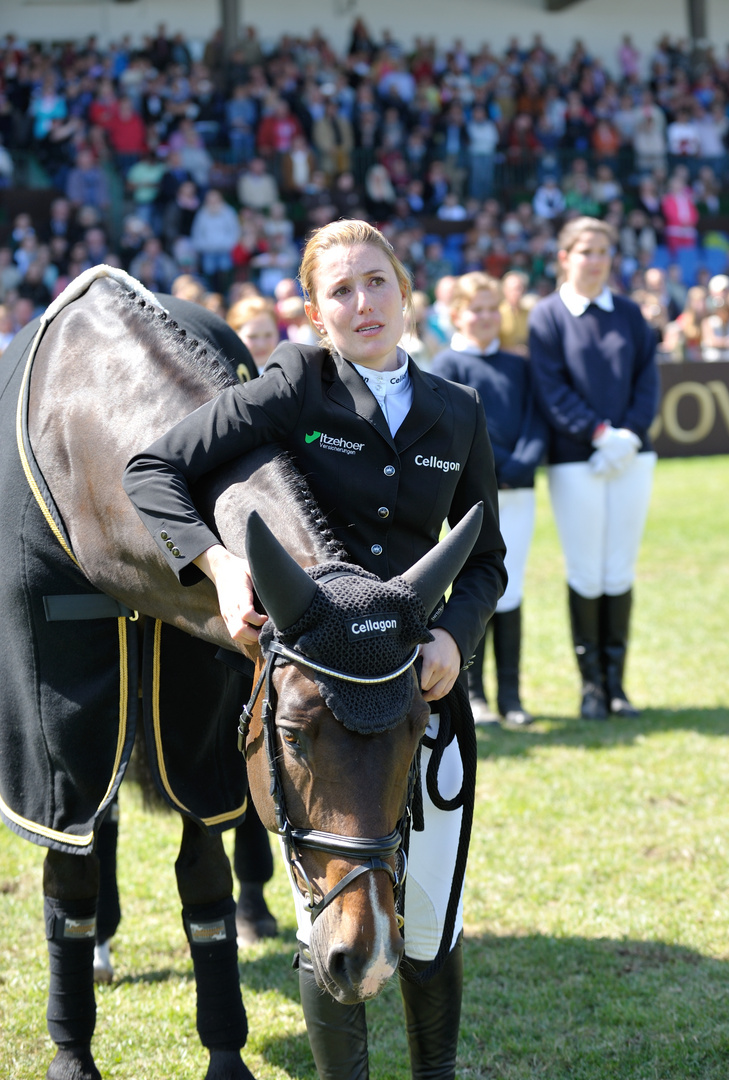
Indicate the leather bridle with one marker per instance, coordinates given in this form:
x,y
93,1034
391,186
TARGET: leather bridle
x,y
369,853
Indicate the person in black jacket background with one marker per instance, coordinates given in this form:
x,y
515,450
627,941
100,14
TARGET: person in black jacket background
x,y
389,452
518,434
593,362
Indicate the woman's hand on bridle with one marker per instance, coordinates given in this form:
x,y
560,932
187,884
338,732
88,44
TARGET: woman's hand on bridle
x,y
441,665
232,578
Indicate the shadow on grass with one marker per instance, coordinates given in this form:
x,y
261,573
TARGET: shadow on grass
x,y
497,741
581,1009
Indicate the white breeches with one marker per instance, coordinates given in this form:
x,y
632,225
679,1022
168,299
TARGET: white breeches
x,y
600,523
516,519
431,863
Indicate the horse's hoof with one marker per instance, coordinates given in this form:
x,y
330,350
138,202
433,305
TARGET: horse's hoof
x,y
227,1065
103,970
76,1064
253,920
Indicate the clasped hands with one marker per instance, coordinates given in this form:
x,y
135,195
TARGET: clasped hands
x,y
615,448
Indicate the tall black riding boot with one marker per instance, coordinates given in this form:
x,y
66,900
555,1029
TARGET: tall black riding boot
x,y
507,652
615,620
585,624
433,1017
337,1033
482,711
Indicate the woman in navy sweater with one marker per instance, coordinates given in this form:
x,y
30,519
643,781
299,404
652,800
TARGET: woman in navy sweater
x,y
518,435
592,356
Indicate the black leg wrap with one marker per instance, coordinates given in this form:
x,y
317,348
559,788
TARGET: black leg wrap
x,y
433,1017
221,1017
71,934
108,912
337,1033
252,856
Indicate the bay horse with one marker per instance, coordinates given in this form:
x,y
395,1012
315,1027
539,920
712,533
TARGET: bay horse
x,y
105,373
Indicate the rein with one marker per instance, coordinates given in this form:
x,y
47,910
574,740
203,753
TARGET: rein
x,y
370,853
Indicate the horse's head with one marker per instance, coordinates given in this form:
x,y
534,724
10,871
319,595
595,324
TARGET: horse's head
x,y
341,720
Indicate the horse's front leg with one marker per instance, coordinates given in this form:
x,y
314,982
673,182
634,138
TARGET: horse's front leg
x,y
70,890
205,884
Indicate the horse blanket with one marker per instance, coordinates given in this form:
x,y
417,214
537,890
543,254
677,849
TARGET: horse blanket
x,y
72,661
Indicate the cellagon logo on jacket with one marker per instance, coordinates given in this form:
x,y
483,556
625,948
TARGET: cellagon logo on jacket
x,y
328,442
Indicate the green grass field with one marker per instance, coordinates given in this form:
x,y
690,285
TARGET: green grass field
x,y
597,907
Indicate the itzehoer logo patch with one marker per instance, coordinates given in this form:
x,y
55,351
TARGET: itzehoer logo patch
x,y
368,626
328,442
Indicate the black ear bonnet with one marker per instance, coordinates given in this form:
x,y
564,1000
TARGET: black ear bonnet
x,y
361,626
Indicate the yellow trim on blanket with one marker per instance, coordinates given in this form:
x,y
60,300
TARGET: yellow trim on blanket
x,y
216,819
23,457
86,840
50,834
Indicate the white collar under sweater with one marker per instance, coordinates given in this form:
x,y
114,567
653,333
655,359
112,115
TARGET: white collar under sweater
x,y
578,305
393,390
459,343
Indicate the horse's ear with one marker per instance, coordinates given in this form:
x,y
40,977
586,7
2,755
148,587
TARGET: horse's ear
x,y
431,575
284,589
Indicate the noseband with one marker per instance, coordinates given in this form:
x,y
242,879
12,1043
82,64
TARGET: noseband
x,y
370,854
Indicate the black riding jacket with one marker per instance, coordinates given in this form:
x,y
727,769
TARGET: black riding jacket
x,y
384,498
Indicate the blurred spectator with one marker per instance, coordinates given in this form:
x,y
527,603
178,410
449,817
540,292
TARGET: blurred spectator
x,y
296,168
680,214
254,320
143,182
179,214
241,115
514,312
7,331
333,139
715,327
153,267
127,134
214,234
682,337
548,201
256,187
87,184
291,314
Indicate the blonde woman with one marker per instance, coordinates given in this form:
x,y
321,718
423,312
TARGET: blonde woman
x,y
423,456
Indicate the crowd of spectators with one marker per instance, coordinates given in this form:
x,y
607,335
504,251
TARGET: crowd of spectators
x,y
174,161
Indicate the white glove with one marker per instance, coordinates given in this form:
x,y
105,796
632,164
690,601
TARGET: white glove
x,y
618,445
600,466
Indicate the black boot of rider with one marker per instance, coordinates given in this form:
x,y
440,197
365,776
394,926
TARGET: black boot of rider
x,y
507,654
614,623
337,1033
433,1016
585,624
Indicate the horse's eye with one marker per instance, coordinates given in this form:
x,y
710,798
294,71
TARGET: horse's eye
x,y
292,741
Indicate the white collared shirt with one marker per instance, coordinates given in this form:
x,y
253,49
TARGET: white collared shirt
x,y
459,343
393,390
577,305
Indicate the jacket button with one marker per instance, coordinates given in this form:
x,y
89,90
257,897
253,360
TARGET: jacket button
x,y
376,549
176,552
170,545
164,535
383,512
389,470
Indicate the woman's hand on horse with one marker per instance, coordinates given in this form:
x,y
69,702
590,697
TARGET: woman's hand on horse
x,y
441,665
232,578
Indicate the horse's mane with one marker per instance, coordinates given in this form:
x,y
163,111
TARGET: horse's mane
x,y
296,488
173,344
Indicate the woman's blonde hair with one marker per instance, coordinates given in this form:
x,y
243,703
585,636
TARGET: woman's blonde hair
x,y
250,307
348,233
574,229
468,285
